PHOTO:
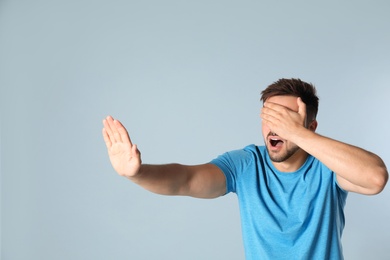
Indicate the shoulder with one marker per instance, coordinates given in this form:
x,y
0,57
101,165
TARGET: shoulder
x,y
241,158
248,152
236,162
254,148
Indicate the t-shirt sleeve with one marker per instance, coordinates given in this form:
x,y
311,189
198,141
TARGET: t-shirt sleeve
x,y
232,164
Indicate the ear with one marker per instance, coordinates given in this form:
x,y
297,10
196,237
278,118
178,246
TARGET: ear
x,y
313,125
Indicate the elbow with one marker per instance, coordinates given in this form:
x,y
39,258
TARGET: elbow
x,y
379,180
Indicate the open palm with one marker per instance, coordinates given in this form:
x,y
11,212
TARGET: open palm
x,y
124,156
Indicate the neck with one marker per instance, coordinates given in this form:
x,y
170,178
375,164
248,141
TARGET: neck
x,y
293,163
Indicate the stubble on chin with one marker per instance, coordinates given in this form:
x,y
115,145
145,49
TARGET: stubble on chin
x,y
282,156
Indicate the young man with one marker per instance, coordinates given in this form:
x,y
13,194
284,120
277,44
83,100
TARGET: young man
x,y
291,191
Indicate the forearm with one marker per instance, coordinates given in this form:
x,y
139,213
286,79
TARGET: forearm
x,y
167,179
356,165
201,181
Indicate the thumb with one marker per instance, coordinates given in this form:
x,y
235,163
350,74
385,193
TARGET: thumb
x,y
301,107
135,152
302,110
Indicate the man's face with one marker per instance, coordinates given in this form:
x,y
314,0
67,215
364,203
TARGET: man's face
x,y
280,149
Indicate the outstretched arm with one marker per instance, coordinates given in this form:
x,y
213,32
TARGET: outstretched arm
x,y
202,181
357,170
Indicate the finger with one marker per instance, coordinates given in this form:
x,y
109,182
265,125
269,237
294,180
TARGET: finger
x,y
268,124
108,130
116,137
124,135
270,114
106,138
268,120
273,112
274,106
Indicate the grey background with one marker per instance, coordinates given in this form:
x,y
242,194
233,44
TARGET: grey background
x,y
185,78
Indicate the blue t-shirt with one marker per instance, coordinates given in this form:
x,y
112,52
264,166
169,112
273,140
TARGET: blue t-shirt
x,y
297,215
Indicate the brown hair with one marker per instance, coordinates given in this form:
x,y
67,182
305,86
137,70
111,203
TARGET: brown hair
x,y
297,88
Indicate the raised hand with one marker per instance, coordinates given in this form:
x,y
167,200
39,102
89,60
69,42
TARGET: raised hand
x,y
124,156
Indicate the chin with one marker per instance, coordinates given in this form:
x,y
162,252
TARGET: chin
x,y
282,156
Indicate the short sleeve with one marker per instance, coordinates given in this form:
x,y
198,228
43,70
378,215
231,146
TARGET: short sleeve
x,y
232,165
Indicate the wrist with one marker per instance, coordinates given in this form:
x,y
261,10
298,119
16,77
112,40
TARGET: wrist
x,y
301,135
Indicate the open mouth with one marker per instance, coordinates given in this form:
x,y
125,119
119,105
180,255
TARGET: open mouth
x,y
275,142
